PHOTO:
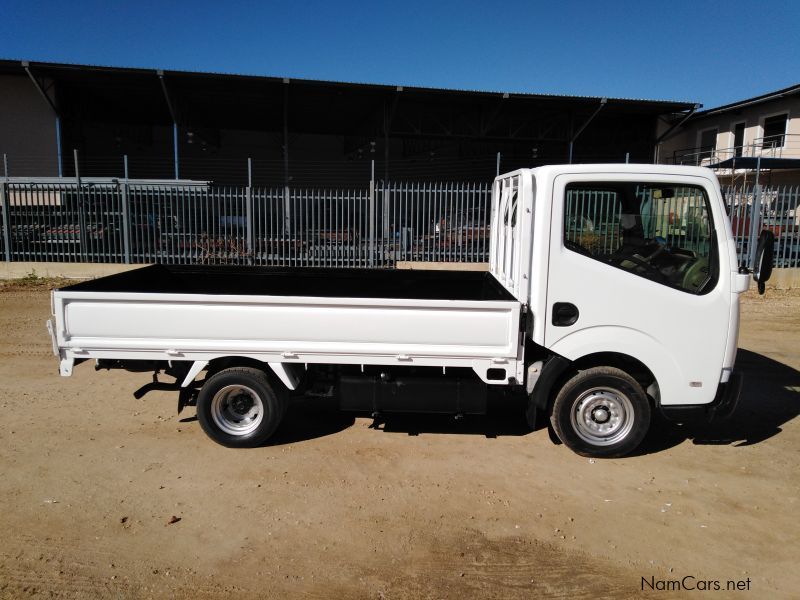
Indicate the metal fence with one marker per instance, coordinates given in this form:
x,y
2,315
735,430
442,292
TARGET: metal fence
x,y
125,221
775,208
122,221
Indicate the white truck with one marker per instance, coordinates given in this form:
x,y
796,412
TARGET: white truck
x,y
613,291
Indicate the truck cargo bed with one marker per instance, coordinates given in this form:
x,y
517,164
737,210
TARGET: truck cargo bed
x,y
324,283
199,313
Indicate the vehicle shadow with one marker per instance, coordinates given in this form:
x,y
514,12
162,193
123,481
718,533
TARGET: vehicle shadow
x,y
770,398
505,417
310,417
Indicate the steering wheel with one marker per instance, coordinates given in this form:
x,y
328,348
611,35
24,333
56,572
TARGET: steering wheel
x,y
637,260
696,275
657,252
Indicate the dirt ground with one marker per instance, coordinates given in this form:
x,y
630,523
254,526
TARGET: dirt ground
x,y
425,507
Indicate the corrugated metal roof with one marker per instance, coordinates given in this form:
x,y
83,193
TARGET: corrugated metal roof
x,y
788,91
13,62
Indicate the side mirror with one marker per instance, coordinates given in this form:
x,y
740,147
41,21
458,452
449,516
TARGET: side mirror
x,y
765,252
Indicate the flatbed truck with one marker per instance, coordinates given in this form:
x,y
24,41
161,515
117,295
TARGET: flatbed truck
x,y
612,292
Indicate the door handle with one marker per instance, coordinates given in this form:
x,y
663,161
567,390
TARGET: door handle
x,y
565,314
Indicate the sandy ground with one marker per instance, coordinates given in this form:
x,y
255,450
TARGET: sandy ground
x,y
424,508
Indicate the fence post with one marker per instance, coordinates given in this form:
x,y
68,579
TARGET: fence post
x,y
497,170
81,214
755,225
4,202
287,212
372,214
387,234
249,210
755,218
126,236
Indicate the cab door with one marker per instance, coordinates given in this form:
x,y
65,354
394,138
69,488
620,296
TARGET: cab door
x,y
636,268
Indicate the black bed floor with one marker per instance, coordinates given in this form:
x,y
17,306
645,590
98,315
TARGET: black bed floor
x,y
326,283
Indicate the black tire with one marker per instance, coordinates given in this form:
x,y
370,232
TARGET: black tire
x,y
239,408
601,412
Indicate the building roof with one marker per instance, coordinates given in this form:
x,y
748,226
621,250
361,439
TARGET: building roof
x,y
78,71
734,106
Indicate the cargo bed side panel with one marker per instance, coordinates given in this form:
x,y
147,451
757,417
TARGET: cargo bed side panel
x,y
98,324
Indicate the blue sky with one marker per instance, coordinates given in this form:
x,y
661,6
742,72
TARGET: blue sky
x,y
710,52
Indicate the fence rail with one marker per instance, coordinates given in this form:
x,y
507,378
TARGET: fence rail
x,y
124,221
774,146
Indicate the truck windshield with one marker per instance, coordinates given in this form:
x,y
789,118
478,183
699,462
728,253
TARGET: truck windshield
x,y
664,233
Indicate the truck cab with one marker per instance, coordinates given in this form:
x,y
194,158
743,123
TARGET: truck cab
x,y
623,269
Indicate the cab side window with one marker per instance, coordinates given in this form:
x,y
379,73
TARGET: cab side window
x,y
661,232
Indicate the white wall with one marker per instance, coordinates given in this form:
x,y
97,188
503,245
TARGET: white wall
x,y
753,116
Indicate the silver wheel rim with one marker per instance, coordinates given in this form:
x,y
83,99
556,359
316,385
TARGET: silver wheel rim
x,y
237,410
602,416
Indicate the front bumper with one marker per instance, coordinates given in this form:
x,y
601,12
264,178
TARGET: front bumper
x,y
727,398
722,407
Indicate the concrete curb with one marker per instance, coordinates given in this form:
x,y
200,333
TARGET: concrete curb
x,y
782,279
18,270
785,279
441,266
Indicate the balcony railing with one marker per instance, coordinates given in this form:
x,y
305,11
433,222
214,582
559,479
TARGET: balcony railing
x,y
775,146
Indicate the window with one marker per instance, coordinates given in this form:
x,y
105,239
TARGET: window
x,y
774,131
738,138
708,143
661,232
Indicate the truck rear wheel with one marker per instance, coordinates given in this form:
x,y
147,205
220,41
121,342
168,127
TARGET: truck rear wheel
x,y
239,408
601,412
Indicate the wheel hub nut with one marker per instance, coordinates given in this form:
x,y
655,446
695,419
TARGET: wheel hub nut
x,y
241,405
601,414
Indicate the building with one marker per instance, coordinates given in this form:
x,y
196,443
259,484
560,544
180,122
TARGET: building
x,y
766,126
150,123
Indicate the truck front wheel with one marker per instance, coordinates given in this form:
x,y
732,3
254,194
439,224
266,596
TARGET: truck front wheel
x,y
601,412
239,408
